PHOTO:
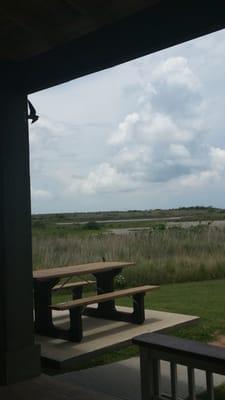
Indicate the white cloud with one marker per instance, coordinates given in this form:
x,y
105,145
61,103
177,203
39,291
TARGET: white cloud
x,y
125,129
217,156
198,180
215,171
40,194
153,145
103,178
176,71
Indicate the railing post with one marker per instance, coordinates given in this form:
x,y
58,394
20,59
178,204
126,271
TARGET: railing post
x,y
191,383
150,375
209,385
173,379
146,374
156,378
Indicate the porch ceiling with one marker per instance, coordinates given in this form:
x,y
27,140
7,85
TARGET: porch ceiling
x,y
48,42
29,28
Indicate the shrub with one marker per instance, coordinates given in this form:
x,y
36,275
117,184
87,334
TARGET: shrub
x,y
120,281
92,225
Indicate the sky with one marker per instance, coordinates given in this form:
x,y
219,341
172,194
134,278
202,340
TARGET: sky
x,y
146,134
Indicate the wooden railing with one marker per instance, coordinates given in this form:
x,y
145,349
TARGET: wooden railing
x,y
192,354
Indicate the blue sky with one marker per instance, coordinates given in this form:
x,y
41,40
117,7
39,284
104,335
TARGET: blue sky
x,y
145,134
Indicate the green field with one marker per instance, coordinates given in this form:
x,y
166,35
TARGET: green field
x,y
219,394
186,213
188,263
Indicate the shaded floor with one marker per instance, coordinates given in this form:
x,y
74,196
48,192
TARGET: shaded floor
x,y
117,381
46,388
122,379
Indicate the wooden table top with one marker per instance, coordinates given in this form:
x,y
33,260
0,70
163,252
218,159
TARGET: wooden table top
x,y
82,269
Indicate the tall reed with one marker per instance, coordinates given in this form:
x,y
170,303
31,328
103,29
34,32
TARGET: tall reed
x,y
162,256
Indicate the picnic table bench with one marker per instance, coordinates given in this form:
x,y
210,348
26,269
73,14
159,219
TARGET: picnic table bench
x,y
75,287
75,332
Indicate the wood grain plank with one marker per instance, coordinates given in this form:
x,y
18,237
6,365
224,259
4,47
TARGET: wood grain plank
x,y
81,269
103,297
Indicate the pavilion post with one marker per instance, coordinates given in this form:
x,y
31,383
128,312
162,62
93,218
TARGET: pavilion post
x,y
19,356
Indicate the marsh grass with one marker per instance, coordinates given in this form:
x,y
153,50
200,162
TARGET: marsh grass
x,y
162,255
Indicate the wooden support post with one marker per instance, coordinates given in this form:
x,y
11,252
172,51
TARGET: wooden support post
x,y
75,333
19,357
139,308
42,301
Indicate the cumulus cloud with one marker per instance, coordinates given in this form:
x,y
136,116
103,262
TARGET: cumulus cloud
x,y
153,144
150,144
214,172
175,71
217,156
125,129
103,178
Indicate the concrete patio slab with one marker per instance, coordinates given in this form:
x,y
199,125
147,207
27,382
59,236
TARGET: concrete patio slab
x,y
101,335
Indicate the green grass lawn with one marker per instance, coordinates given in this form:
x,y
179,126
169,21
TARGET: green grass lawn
x,y
219,394
204,299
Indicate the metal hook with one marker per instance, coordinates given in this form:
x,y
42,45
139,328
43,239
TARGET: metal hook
x,y
32,112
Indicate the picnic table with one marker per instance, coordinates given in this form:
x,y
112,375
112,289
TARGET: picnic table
x,y
45,280
104,273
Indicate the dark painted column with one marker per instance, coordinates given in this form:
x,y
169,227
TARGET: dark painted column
x,y
19,357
